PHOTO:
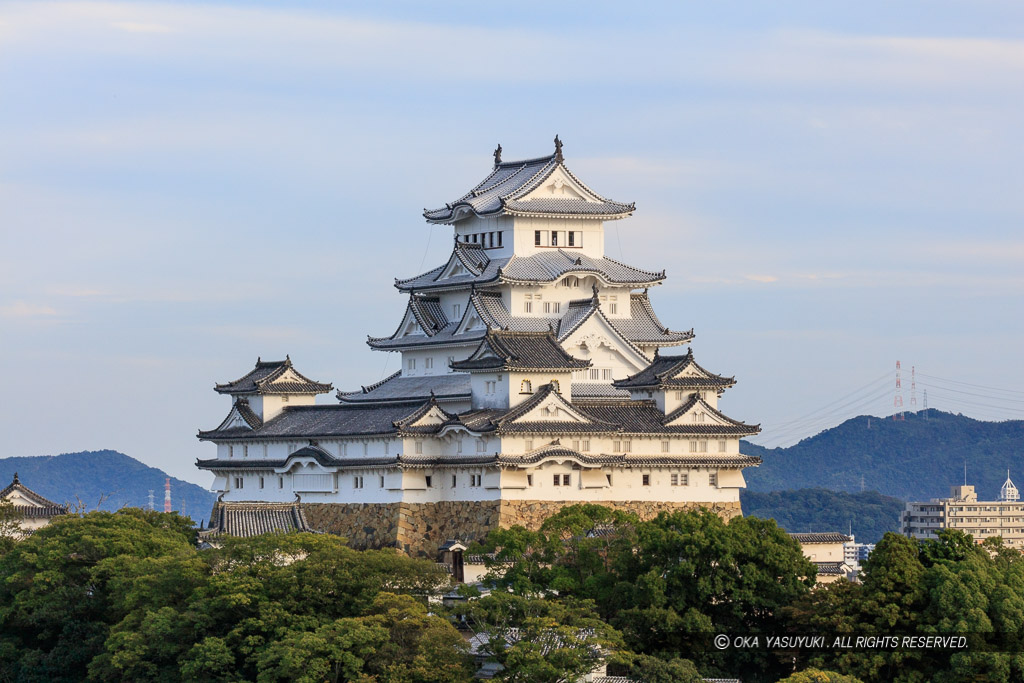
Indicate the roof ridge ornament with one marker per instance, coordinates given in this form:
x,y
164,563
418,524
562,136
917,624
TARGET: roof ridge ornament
x,y
497,155
558,150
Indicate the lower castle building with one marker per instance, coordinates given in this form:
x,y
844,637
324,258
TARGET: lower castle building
x,y
534,376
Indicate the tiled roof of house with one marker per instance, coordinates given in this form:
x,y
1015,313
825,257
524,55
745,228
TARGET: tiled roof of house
x,y
39,507
597,390
825,537
245,519
666,371
513,350
644,417
504,188
273,377
830,568
395,388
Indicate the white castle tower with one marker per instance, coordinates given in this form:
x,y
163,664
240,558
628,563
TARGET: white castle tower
x,y
531,378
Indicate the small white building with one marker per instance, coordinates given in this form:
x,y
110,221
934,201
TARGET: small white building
x,y
827,552
532,377
32,510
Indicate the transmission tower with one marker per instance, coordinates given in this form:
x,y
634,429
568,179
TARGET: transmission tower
x,y
151,506
897,401
167,495
913,389
926,404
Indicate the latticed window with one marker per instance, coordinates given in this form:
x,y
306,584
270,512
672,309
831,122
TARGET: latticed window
x,y
665,446
646,480
713,479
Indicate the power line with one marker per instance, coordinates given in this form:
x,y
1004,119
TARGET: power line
x,y
976,386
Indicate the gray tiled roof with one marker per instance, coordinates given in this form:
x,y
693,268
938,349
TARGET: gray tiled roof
x,y
502,191
643,324
263,379
665,371
511,350
545,267
38,501
312,422
594,390
644,417
395,388
829,568
252,519
443,337
823,537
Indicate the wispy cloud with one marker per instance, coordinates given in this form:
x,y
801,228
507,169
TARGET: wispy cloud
x,y
762,278
137,27
27,310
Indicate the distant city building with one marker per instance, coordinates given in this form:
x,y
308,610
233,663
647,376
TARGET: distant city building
x,y
827,552
963,511
32,510
531,377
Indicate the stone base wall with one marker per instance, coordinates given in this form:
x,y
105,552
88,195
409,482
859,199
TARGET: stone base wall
x,y
420,528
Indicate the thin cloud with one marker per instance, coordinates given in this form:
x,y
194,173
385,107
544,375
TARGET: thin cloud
x,y
26,310
138,27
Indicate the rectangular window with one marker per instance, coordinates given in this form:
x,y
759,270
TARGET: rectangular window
x,y
586,445
566,479
529,480
646,480
456,311
547,306
419,448
411,363
627,446
366,448
239,482
453,481
382,482
664,446
475,479
613,308
490,239
536,238
429,481
280,482
245,451
529,444
558,479
231,451
722,446
527,306
606,373
675,480
572,238
481,445
609,478
693,446
575,445
616,446
499,238
554,238
679,396
458,446
261,482
557,307
713,479
357,482
703,447
595,373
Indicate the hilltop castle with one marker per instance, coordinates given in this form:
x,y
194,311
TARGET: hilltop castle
x,y
532,377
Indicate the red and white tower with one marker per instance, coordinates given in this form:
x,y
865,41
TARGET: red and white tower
x,y
897,401
167,495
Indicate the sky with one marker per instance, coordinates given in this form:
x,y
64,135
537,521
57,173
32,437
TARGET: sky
x,y
831,187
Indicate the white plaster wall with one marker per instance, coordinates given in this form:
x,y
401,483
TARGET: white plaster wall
x,y
439,357
593,235
499,398
477,225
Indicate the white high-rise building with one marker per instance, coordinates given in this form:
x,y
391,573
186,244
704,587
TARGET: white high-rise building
x,y
532,376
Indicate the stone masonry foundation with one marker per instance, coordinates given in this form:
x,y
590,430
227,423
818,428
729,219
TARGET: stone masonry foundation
x,y
419,528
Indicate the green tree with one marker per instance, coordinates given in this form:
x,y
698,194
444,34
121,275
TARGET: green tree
x,y
819,676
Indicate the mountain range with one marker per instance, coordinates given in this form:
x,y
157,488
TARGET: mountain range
x,y
917,458
104,480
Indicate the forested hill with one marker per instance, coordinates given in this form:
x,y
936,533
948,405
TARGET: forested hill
x,y
108,476
916,459
868,515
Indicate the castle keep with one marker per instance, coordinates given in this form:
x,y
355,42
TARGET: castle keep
x,y
535,374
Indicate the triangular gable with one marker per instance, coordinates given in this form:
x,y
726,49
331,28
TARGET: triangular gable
x,y
428,415
462,262
697,412
547,405
240,417
474,318
409,326
594,330
559,185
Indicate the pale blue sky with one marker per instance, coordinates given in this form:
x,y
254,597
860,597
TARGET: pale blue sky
x,y
183,187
